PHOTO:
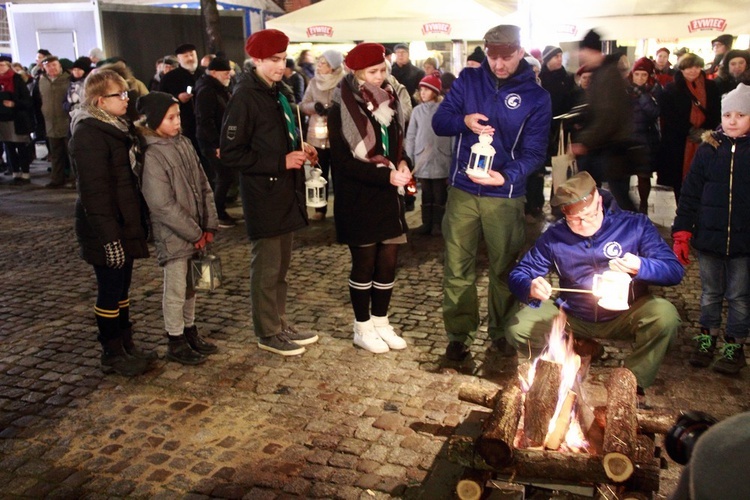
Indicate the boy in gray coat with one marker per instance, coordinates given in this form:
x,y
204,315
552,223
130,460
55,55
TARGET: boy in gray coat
x,y
183,216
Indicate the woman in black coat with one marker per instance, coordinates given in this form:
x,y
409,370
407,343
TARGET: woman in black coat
x,y
16,121
366,132
689,105
110,213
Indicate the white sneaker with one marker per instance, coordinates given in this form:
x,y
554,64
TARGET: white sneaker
x,y
387,333
367,338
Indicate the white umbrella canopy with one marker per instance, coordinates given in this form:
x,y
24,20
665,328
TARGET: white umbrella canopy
x,y
391,20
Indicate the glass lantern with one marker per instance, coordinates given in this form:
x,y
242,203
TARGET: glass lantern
x,y
612,288
205,272
320,129
315,189
481,157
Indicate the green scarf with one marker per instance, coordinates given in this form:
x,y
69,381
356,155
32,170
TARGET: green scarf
x,y
290,128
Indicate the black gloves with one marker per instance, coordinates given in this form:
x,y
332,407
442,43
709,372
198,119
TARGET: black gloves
x,y
321,109
115,254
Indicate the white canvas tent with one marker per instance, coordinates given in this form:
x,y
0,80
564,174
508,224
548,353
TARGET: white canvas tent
x,y
553,20
391,20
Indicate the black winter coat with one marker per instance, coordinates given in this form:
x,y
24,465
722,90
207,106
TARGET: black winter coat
x,y
175,82
368,207
561,87
675,104
715,197
211,98
254,139
109,206
22,113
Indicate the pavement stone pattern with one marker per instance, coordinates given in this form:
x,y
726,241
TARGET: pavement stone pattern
x,y
336,422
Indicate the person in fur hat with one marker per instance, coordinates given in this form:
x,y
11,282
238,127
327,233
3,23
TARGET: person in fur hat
x,y
735,63
714,204
366,130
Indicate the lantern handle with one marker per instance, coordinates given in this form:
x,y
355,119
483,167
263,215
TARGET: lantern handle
x,y
575,290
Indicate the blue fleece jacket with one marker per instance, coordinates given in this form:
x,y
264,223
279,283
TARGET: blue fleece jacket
x,y
518,109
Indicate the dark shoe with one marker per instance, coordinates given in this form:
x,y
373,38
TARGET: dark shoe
x,y
423,230
456,351
280,344
54,185
197,342
409,203
114,359
732,359
703,350
299,338
502,347
588,347
132,349
179,350
227,222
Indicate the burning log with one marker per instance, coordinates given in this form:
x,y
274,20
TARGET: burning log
x,y
649,421
578,468
621,426
495,444
562,423
541,401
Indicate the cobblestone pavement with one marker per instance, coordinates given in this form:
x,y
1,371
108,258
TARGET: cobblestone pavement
x,y
336,422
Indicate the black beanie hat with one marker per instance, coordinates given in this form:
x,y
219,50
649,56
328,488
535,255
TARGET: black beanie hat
x,y
155,105
83,63
592,40
218,64
477,55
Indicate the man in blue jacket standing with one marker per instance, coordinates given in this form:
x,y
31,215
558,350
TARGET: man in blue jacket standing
x,y
596,236
502,98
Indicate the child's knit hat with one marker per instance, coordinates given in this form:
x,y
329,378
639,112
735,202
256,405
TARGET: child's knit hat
x,y
737,100
155,105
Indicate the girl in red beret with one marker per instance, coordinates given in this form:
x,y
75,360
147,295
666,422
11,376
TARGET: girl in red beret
x,y
365,126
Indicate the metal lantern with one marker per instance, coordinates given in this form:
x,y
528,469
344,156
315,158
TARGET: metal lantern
x,y
612,288
205,272
320,129
315,192
480,159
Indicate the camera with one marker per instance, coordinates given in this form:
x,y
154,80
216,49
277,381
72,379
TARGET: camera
x,y
681,438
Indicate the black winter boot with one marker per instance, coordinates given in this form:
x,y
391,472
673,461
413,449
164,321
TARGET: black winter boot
x,y
132,349
438,212
197,342
426,226
181,352
114,358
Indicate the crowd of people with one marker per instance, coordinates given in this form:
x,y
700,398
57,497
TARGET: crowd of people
x,y
160,161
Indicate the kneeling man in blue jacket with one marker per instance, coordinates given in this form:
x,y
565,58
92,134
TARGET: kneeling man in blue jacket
x,y
596,236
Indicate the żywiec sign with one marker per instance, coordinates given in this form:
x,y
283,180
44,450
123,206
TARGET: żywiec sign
x,y
707,24
319,31
439,28
567,29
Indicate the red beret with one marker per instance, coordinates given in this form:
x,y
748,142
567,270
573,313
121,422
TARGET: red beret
x,y
365,55
265,43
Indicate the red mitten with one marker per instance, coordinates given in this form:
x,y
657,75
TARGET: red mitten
x,y
209,236
201,243
681,246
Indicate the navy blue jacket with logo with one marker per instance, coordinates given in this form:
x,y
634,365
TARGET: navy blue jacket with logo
x,y
518,109
576,259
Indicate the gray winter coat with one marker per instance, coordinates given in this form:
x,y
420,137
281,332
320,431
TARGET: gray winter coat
x,y
431,154
178,195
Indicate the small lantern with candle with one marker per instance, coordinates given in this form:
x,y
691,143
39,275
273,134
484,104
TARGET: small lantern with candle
x,y
205,272
315,192
612,288
480,159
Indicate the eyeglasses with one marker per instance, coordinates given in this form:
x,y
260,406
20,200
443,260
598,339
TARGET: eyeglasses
x,y
122,95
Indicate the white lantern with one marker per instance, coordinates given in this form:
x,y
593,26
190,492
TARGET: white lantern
x,y
612,288
315,192
205,272
320,129
480,159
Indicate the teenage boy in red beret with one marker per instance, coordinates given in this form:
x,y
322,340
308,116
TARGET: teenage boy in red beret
x,y
260,138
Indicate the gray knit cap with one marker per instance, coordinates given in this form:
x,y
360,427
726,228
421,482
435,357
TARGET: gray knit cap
x,y
737,100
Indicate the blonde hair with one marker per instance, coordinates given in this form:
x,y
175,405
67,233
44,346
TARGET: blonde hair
x,y
97,83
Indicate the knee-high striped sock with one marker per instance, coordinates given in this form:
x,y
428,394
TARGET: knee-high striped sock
x,y
381,297
360,297
124,306
108,322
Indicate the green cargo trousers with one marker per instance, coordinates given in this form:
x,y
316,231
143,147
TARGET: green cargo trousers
x,y
652,321
467,218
